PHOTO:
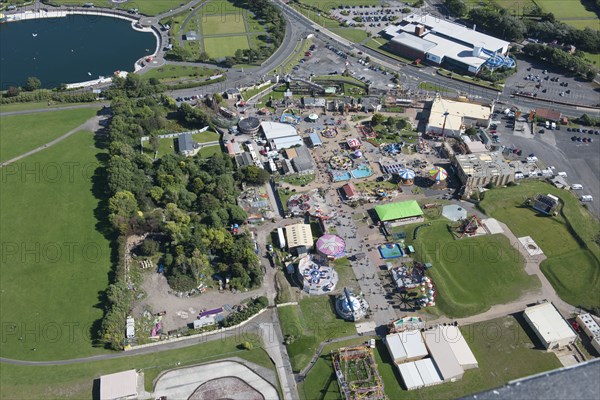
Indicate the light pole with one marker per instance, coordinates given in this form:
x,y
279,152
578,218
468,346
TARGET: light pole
x,y
446,113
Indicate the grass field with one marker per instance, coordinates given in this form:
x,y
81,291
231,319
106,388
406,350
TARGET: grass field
x,y
472,274
219,47
75,381
570,236
21,133
503,347
567,9
209,151
174,72
55,261
147,7
328,5
222,24
168,145
220,7
352,34
311,322
35,105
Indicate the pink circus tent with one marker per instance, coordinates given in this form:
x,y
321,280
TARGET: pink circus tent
x,y
331,246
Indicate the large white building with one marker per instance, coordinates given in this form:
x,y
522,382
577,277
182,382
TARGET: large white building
x,y
435,356
280,136
451,118
549,326
443,42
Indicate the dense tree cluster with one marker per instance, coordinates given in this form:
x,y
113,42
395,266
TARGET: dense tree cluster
x,y
189,203
456,7
249,310
561,59
498,22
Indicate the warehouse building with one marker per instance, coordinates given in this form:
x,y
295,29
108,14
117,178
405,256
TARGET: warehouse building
x,y
280,136
452,118
406,346
549,326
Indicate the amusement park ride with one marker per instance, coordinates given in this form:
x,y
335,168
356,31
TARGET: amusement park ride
x,y
469,226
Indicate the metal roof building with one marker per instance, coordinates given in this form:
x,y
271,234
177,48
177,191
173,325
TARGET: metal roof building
x,y
315,140
287,142
429,374
410,375
275,130
399,210
298,235
453,336
549,326
303,162
121,385
186,144
443,356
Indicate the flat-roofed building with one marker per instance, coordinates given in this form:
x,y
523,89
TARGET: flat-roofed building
x,y
428,372
479,169
588,324
120,385
549,326
443,356
299,235
450,118
410,376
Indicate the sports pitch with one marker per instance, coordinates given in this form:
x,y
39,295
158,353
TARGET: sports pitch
x,y
219,47
222,24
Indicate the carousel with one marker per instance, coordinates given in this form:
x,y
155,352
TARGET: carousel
x,y
407,176
438,174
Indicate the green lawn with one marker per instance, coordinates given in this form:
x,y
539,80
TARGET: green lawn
x,y
147,7
75,381
298,180
55,262
569,236
35,105
173,72
471,274
218,47
21,133
311,322
209,151
222,24
352,34
434,87
567,9
326,6
168,145
220,7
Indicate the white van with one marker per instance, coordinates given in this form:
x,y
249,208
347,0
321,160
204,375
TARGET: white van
x,y
587,197
553,127
547,125
576,186
563,174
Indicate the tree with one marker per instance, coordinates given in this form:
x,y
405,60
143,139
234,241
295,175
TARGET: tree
x,y
229,62
456,7
122,208
247,346
149,247
377,119
471,131
203,56
13,91
255,175
239,55
33,83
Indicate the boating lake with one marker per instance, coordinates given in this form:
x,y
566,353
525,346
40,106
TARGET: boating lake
x,y
70,49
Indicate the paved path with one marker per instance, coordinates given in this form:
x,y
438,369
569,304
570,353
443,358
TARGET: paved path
x,y
92,125
273,342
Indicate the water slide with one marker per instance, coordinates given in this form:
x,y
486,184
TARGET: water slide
x,y
498,60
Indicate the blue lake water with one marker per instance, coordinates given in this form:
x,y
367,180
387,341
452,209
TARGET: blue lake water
x,y
72,49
